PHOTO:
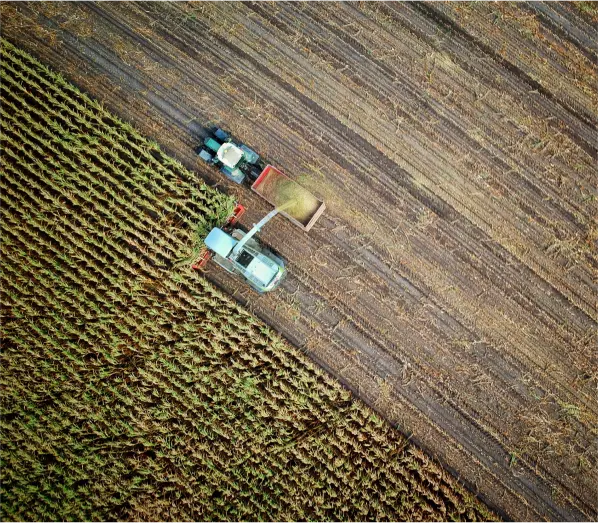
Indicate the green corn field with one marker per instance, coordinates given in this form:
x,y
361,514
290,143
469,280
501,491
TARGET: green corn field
x,y
131,387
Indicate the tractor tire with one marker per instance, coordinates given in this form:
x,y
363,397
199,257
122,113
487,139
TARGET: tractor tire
x,y
221,135
253,173
206,156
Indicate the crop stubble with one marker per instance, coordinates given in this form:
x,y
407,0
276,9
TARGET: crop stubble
x,y
450,281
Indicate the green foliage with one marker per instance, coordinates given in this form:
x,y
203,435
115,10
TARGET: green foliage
x,y
132,388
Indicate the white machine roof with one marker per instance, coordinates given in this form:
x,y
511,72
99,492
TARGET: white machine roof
x,y
229,154
261,271
220,242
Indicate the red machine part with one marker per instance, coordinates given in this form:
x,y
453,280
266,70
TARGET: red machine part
x,y
238,211
204,258
205,254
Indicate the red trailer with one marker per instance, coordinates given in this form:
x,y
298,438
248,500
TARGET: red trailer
x,y
294,201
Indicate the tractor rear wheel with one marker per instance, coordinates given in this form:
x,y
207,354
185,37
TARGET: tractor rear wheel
x,y
221,135
205,156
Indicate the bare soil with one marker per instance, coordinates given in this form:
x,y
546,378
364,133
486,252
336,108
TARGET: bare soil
x,y
451,281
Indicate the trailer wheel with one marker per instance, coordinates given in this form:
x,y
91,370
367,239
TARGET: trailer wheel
x,y
254,173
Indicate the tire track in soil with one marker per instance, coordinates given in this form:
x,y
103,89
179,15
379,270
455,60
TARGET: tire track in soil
x,y
168,108
561,290
453,129
380,162
558,17
535,188
562,28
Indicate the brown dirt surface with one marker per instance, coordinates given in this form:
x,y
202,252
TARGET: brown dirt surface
x,y
451,281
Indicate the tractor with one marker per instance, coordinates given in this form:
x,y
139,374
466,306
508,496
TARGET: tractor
x,y
236,161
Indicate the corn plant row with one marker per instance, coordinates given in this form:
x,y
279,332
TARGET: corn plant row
x,y
119,233
116,246
103,155
283,395
147,154
107,264
194,195
57,269
74,102
125,134
118,204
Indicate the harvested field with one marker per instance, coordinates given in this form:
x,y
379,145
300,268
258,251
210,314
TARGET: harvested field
x,y
451,281
133,389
